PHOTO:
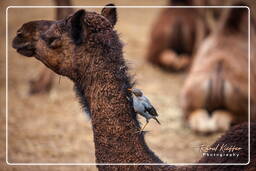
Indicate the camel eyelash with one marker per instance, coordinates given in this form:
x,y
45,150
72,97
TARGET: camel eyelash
x,y
50,40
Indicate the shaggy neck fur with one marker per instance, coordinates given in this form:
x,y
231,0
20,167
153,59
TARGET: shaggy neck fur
x,y
102,88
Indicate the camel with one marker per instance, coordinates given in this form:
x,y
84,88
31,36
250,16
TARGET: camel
x,y
44,82
175,36
215,93
85,48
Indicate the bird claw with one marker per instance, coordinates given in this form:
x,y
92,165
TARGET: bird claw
x,y
137,132
140,131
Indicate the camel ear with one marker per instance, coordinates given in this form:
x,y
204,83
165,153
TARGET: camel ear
x,y
109,11
77,27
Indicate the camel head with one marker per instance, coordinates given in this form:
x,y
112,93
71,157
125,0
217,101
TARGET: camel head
x,y
67,46
28,35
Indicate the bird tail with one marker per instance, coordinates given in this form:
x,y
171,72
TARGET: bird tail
x,y
157,120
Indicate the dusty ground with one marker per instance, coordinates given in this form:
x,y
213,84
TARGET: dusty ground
x,y
53,128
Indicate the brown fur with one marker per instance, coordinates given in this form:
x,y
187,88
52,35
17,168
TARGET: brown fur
x,y
94,62
218,79
44,82
174,37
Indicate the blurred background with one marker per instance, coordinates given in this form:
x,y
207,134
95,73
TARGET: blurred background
x,y
52,128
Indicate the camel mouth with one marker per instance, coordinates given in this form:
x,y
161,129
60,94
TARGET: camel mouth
x,y
24,49
29,52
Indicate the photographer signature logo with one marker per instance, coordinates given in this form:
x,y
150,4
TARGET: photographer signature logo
x,y
219,150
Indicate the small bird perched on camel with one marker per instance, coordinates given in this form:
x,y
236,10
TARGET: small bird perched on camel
x,y
142,106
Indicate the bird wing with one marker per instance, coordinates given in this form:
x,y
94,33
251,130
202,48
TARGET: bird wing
x,y
149,107
157,120
151,110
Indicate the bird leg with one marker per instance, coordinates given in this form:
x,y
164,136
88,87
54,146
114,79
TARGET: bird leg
x,y
144,126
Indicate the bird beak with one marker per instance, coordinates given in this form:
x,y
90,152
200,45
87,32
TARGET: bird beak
x,y
129,89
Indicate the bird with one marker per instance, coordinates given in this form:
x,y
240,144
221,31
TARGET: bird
x,y
142,106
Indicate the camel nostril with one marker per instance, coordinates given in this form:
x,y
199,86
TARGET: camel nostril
x,y
16,44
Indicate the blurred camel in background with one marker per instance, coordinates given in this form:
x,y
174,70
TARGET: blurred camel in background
x,y
43,83
215,94
175,35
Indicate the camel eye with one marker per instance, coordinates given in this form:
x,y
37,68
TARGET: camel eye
x,y
56,43
52,42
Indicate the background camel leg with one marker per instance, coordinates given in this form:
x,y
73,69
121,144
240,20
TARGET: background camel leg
x,y
202,122
222,119
43,83
170,59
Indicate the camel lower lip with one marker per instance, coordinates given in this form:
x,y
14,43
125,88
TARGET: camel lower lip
x,y
26,52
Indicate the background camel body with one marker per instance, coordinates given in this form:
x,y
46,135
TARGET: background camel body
x,y
85,48
175,36
215,93
45,80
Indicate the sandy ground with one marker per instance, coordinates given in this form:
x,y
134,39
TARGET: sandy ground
x,y
52,128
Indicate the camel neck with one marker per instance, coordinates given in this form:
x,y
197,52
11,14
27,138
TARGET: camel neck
x,y
115,127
